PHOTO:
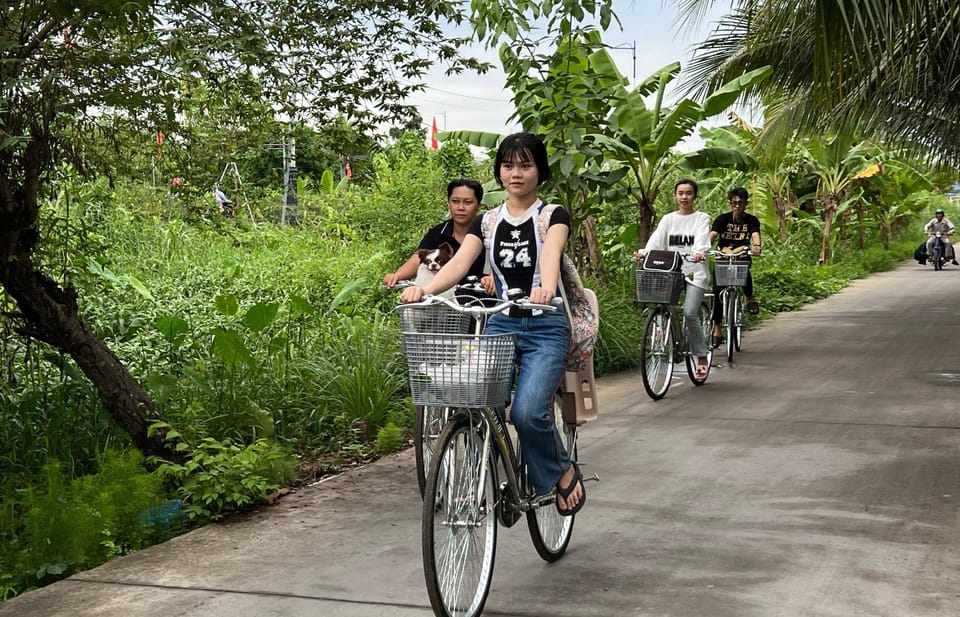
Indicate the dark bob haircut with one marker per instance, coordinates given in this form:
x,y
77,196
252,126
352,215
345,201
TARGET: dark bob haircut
x,y
470,183
523,147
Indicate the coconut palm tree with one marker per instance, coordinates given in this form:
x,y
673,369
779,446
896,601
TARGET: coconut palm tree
x,y
889,66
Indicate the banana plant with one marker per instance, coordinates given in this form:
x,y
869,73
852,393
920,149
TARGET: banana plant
x,y
837,162
641,139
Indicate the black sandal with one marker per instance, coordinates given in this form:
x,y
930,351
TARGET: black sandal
x,y
716,341
566,492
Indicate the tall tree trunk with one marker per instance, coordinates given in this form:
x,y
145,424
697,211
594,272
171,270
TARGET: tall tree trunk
x,y
780,207
48,312
645,222
829,211
595,267
860,232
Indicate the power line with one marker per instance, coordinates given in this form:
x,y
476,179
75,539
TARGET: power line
x,y
467,96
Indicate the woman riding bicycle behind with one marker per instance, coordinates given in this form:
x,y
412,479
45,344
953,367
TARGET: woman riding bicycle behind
x,y
733,230
463,201
519,260
688,232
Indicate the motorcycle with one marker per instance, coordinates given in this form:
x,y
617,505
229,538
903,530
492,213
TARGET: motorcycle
x,y
939,255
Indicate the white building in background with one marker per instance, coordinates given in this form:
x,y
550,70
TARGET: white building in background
x,y
953,194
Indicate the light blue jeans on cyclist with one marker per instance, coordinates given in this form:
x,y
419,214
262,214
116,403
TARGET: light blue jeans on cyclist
x,y
696,340
542,344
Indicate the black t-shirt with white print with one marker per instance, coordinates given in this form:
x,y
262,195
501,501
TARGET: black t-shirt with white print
x,y
515,245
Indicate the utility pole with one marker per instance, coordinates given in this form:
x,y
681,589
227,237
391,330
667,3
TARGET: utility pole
x,y
288,212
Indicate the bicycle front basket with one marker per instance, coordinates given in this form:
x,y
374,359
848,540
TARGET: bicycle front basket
x,y
731,273
433,318
477,375
659,287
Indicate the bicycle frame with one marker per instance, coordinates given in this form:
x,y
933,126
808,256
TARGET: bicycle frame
x,y
732,296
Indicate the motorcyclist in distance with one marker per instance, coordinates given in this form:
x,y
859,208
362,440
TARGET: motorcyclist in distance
x,y
940,223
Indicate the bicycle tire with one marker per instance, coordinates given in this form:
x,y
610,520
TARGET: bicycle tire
x,y
549,531
426,430
705,318
738,316
730,302
656,354
459,531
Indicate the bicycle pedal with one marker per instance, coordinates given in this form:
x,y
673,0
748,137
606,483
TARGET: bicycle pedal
x,y
593,478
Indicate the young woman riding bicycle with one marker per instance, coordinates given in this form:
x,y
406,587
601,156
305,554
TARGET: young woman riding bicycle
x,y
520,261
688,231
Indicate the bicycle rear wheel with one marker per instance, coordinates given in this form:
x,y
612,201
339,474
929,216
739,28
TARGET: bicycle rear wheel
x,y
656,354
426,431
459,535
549,531
705,319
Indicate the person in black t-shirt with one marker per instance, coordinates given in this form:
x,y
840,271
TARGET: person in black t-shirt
x,y
463,201
732,230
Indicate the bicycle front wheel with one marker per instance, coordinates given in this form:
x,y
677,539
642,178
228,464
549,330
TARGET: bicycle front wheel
x,y
426,431
731,301
738,320
459,536
656,354
549,531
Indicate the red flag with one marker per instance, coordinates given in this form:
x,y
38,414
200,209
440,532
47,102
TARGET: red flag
x,y
433,135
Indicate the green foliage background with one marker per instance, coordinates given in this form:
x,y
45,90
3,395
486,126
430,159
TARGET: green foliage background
x,y
264,347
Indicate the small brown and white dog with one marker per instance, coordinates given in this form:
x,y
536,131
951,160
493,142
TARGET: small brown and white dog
x,y
430,263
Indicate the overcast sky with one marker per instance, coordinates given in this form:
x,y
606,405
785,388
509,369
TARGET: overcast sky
x,y
480,102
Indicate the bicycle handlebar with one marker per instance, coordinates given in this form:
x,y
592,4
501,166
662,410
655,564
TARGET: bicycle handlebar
x,y
741,251
638,257
500,306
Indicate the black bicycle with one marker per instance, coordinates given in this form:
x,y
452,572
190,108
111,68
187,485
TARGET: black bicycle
x,y
731,271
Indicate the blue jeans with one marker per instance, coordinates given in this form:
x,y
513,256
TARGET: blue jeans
x,y
542,344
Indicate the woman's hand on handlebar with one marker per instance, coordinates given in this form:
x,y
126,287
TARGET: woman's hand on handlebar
x,y
540,295
391,279
412,294
488,286
697,257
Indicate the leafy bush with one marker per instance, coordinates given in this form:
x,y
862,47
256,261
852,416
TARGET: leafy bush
x,y
621,327
389,439
221,477
62,526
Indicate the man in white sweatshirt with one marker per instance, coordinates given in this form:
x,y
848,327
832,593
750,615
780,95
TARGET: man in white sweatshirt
x,y
688,232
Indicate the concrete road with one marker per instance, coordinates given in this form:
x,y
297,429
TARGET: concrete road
x,y
818,476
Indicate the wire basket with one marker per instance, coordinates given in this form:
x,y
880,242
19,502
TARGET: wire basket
x,y
476,375
434,319
659,287
731,273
